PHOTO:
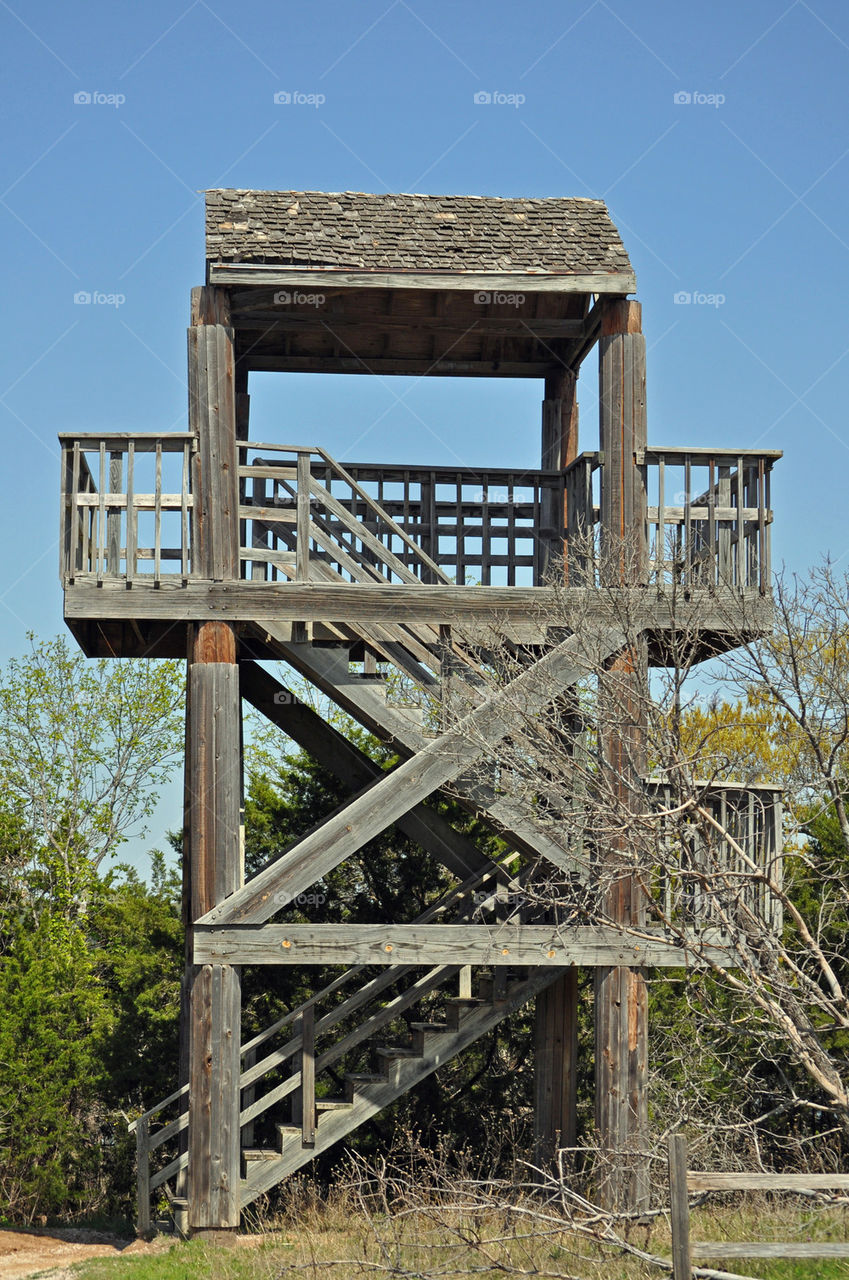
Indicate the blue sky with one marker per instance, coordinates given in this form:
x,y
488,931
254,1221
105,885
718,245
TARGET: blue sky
x,y
718,135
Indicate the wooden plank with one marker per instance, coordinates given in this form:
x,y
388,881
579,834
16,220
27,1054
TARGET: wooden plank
x,y
342,602
679,1207
348,830
770,1249
699,1180
608,282
441,944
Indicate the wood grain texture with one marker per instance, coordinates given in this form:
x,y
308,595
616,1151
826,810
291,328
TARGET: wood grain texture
x,y
440,944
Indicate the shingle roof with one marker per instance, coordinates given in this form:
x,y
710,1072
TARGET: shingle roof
x,y
412,232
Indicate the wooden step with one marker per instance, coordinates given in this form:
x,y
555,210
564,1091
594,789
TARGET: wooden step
x,y
256,1155
356,1081
332,1104
457,1007
391,1051
421,1030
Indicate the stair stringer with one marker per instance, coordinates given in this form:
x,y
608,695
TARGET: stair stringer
x,y
439,1048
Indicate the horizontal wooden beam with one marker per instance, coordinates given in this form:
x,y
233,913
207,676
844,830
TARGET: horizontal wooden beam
x,y
241,601
437,944
316,320
707,1180
316,278
407,366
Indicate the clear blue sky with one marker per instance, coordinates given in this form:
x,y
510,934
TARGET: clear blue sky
x,y
739,192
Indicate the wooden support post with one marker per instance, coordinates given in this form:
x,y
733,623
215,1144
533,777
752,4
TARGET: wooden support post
x,y
213,776
556,1012
559,449
143,1168
555,1070
679,1208
621,1015
215,998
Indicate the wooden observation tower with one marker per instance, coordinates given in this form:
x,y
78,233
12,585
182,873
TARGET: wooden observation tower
x,y
206,545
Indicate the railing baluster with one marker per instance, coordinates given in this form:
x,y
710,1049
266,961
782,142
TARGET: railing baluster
x,y
184,514
157,516
308,1077
101,514
302,535
132,532
74,514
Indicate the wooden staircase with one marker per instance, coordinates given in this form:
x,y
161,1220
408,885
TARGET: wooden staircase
x,y
461,710
401,1068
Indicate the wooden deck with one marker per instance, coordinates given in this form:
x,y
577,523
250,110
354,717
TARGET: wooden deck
x,y
320,543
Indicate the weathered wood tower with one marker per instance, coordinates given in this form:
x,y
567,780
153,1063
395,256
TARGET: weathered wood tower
x,y
206,545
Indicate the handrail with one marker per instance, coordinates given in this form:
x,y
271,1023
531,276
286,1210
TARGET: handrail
x,y
363,995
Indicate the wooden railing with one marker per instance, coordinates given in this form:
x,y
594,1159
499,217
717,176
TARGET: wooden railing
x,y
128,512
303,516
707,518
402,523
127,506
725,845
683,1180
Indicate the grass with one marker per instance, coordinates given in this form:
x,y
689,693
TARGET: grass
x,y
337,1242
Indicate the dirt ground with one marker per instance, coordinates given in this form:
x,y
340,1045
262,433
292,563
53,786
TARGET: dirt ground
x,y
51,1251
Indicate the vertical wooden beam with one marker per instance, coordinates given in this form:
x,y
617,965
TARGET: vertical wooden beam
x,y
212,415
143,1167
555,1069
679,1208
556,1011
212,853
215,872
621,1018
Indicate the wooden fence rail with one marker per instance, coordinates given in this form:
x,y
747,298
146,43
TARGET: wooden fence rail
x,y
683,1180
